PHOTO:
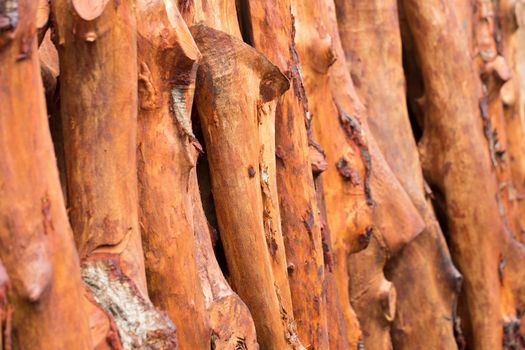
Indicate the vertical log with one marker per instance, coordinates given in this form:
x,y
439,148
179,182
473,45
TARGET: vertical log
x,y
269,27
422,273
96,40
37,247
238,181
346,179
167,57
349,157
230,320
338,329
457,160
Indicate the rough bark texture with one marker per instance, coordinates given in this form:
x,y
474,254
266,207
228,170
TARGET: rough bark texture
x,y
462,171
393,226
37,246
283,175
372,43
346,179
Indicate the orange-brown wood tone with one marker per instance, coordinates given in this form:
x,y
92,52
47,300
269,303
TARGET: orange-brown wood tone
x,y
36,242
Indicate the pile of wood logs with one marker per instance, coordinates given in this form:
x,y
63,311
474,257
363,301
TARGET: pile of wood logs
x,y
262,174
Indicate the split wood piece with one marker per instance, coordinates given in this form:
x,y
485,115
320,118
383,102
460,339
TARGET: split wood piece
x,y
269,27
167,59
512,94
456,160
37,246
95,41
396,221
423,272
230,119
230,320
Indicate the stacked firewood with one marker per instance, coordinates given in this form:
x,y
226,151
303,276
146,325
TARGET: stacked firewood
x,y
262,174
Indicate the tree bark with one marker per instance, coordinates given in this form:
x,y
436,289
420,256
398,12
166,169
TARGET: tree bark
x,y
512,97
393,226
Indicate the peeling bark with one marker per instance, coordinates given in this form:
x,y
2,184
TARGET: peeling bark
x,y
346,179
512,97
396,221
338,329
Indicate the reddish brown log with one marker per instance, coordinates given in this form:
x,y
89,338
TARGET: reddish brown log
x,y
269,27
457,160
422,273
37,247
512,97
238,180
230,320
393,226
95,41
338,329
346,180
167,57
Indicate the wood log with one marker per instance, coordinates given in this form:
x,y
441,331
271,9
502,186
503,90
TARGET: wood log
x,y
372,42
346,179
167,57
37,246
393,226
95,41
269,27
338,329
238,179
230,320
456,159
